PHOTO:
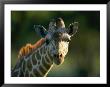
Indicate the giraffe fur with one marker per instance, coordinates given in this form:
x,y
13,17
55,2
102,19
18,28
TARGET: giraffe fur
x,y
37,60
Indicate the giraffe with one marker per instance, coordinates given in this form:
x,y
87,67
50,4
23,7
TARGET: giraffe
x,y
38,59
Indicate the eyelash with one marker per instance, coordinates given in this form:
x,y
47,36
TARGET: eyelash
x,y
68,40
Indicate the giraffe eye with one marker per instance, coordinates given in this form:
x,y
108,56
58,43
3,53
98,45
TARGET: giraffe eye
x,y
68,40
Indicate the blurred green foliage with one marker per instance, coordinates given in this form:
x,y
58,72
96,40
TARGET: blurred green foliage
x,y
83,58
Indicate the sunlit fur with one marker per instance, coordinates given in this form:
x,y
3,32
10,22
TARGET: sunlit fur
x,y
29,48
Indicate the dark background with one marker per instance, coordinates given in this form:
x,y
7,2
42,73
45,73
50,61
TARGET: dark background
x,y
83,58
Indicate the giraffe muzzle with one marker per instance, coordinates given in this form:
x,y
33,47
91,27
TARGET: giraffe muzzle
x,y
58,55
58,59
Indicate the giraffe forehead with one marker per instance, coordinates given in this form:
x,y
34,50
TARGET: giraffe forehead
x,y
62,30
61,36
56,33
59,32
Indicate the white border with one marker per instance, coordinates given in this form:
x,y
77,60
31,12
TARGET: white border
x,y
56,80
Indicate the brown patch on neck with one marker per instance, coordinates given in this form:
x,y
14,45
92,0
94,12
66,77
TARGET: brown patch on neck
x,y
29,48
39,43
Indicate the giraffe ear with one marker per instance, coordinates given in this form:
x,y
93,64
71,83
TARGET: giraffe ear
x,y
73,28
40,30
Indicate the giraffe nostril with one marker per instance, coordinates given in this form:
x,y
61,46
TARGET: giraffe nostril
x,y
60,55
57,55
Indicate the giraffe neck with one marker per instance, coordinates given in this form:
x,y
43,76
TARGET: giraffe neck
x,y
39,62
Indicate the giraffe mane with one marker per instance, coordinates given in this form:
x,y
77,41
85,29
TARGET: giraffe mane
x,y
28,48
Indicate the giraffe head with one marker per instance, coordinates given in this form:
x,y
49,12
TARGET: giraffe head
x,y
58,38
